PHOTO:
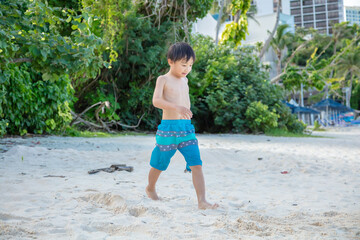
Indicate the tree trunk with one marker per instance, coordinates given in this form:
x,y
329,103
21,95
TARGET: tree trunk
x,y
278,67
219,22
186,22
348,100
327,85
267,42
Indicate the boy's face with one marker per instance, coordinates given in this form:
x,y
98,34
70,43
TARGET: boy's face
x,y
181,68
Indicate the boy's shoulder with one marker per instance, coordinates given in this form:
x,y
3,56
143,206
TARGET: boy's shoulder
x,y
166,78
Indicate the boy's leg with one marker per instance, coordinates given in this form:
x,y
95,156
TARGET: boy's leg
x,y
150,189
199,184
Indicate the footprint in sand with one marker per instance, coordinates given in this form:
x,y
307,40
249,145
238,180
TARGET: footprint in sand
x,y
137,211
109,201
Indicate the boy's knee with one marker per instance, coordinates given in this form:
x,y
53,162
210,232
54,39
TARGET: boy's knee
x,y
196,168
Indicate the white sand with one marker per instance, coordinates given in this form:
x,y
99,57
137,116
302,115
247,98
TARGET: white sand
x,y
318,199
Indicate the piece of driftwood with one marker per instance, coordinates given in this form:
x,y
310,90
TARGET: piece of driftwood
x,y
104,125
59,176
113,168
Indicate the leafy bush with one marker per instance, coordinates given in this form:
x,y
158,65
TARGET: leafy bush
x,y
3,126
225,80
288,121
259,118
30,104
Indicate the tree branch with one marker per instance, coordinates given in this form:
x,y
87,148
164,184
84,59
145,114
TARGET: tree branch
x,y
128,126
20,60
77,116
267,42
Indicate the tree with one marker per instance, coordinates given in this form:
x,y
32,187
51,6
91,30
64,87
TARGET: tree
x,y
236,31
349,67
341,32
267,42
38,61
279,42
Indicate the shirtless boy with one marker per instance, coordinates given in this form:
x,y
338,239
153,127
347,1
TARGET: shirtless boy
x,y
176,131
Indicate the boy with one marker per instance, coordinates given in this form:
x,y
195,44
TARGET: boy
x,y
176,131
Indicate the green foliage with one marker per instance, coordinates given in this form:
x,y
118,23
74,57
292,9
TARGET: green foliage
x,y
30,104
324,62
3,126
225,80
73,132
139,59
259,118
277,132
140,36
236,31
32,34
288,121
355,96
58,46
317,126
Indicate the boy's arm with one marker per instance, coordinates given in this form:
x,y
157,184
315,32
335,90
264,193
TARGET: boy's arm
x,y
160,102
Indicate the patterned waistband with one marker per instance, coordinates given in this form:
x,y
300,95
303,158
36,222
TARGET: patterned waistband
x,y
175,121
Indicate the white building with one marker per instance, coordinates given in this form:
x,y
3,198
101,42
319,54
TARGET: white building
x,y
266,7
317,14
352,14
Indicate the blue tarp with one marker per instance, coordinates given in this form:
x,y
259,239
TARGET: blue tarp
x,y
298,109
331,105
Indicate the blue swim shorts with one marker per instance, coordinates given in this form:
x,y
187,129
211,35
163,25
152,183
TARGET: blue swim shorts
x,y
175,135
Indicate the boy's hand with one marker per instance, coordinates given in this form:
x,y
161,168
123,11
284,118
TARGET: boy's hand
x,y
184,112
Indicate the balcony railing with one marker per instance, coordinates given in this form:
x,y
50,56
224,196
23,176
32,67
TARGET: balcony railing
x,y
321,16
333,15
333,7
295,11
308,18
308,10
307,2
295,4
320,9
320,24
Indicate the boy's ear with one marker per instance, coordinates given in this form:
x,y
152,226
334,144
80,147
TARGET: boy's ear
x,y
170,62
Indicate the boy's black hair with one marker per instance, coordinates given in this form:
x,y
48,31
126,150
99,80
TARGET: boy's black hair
x,y
179,51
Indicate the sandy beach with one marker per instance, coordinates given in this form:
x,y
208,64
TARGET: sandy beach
x,y
267,188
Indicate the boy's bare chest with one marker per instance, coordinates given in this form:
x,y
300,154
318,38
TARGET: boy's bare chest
x,y
176,90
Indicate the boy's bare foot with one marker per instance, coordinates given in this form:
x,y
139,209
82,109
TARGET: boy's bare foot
x,y
206,205
151,194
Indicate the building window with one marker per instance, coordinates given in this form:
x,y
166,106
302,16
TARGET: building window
x,y
321,16
320,9
309,18
332,22
295,11
333,7
307,2
333,14
333,1
295,4
320,24
308,10
309,25
320,1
